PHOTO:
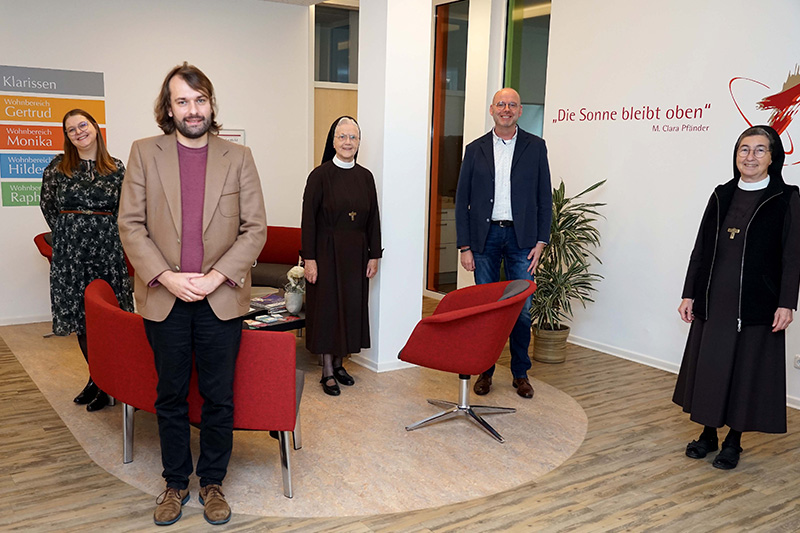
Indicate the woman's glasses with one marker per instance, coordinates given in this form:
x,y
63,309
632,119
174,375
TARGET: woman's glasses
x,y
758,152
82,126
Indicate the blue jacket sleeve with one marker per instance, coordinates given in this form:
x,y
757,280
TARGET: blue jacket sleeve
x,y
463,198
545,198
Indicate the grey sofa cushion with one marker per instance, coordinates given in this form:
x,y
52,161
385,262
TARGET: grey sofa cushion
x,y
270,275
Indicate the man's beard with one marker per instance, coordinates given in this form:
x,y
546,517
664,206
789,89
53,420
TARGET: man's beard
x,y
193,132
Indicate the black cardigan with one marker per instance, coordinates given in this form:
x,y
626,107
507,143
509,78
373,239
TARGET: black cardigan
x,y
765,285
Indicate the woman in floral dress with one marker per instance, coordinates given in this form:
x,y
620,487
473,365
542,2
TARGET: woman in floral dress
x,y
79,200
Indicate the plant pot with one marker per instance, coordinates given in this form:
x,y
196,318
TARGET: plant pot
x,y
550,346
294,302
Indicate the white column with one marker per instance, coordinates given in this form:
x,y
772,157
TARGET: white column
x,y
395,55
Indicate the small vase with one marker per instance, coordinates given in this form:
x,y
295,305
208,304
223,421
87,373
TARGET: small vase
x,y
294,302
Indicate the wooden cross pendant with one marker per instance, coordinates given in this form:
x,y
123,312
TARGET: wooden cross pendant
x,y
733,232
353,217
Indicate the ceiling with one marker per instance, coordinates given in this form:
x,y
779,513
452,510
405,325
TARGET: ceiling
x,y
298,2
342,3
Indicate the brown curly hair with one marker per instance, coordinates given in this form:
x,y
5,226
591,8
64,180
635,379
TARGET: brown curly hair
x,y
198,81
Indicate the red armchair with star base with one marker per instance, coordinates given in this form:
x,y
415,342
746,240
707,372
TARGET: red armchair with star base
x,y
465,335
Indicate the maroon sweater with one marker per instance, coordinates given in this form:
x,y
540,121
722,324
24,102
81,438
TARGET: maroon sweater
x,y
192,163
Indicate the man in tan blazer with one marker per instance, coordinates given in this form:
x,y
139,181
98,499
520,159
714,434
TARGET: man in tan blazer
x,y
192,222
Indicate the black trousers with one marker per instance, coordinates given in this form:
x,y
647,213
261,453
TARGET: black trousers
x,y
192,327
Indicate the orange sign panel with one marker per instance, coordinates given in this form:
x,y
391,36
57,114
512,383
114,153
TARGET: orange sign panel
x,y
38,109
43,138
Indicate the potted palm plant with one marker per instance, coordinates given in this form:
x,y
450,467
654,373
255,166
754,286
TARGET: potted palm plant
x,y
563,274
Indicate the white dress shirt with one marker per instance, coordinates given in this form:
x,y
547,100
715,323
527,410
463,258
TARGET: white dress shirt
x,y
503,154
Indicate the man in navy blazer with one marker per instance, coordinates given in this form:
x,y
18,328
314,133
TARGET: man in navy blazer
x,y
503,213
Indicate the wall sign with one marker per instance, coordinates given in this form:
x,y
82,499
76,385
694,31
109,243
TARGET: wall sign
x,y
34,100
234,136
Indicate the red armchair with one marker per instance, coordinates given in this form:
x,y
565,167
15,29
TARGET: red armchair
x,y
465,336
266,384
44,242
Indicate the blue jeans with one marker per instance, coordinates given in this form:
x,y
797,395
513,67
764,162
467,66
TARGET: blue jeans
x,y
192,327
501,244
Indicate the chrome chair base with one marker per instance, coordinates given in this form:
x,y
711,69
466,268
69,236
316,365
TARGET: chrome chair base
x,y
463,408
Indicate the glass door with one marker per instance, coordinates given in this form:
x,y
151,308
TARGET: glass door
x,y
447,141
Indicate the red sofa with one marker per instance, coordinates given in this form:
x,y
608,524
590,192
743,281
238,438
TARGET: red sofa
x,y
281,253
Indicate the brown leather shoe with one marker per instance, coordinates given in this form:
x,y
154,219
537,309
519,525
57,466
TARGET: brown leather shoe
x,y
483,385
217,511
523,387
168,506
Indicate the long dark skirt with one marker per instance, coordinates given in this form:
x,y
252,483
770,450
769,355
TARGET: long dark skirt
x,y
734,379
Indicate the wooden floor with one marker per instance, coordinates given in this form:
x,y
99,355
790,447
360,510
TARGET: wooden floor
x,y
630,474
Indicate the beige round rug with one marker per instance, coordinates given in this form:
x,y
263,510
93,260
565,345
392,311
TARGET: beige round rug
x,y
357,458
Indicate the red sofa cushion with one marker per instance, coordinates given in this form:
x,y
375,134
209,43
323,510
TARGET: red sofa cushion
x,y
283,245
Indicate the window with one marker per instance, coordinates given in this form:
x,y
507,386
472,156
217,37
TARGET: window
x,y
526,58
336,38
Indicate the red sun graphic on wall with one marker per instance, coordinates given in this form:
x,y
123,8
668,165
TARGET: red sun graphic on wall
x,y
758,103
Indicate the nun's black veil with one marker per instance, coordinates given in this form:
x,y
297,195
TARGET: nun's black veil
x,y
329,151
775,169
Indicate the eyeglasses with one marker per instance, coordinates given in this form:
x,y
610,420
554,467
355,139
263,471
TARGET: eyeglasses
x,y
82,126
511,105
343,137
758,151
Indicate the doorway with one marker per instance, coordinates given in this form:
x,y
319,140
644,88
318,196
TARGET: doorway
x,y
447,142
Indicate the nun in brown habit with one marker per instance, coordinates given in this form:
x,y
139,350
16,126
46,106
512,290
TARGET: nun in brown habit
x,y
341,235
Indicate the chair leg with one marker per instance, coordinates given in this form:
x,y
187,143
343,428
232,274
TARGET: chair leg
x,y
444,415
127,432
442,403
286,465
297,437
492,410
112,401
476,418
463,408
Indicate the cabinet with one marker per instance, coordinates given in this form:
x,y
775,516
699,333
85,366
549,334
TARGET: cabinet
x,y
448,253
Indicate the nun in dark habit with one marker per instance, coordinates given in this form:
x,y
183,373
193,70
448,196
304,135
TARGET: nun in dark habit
x,y
740,291
341,236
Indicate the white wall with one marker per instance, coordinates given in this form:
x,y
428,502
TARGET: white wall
x,y
255,52
602,56
606,55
